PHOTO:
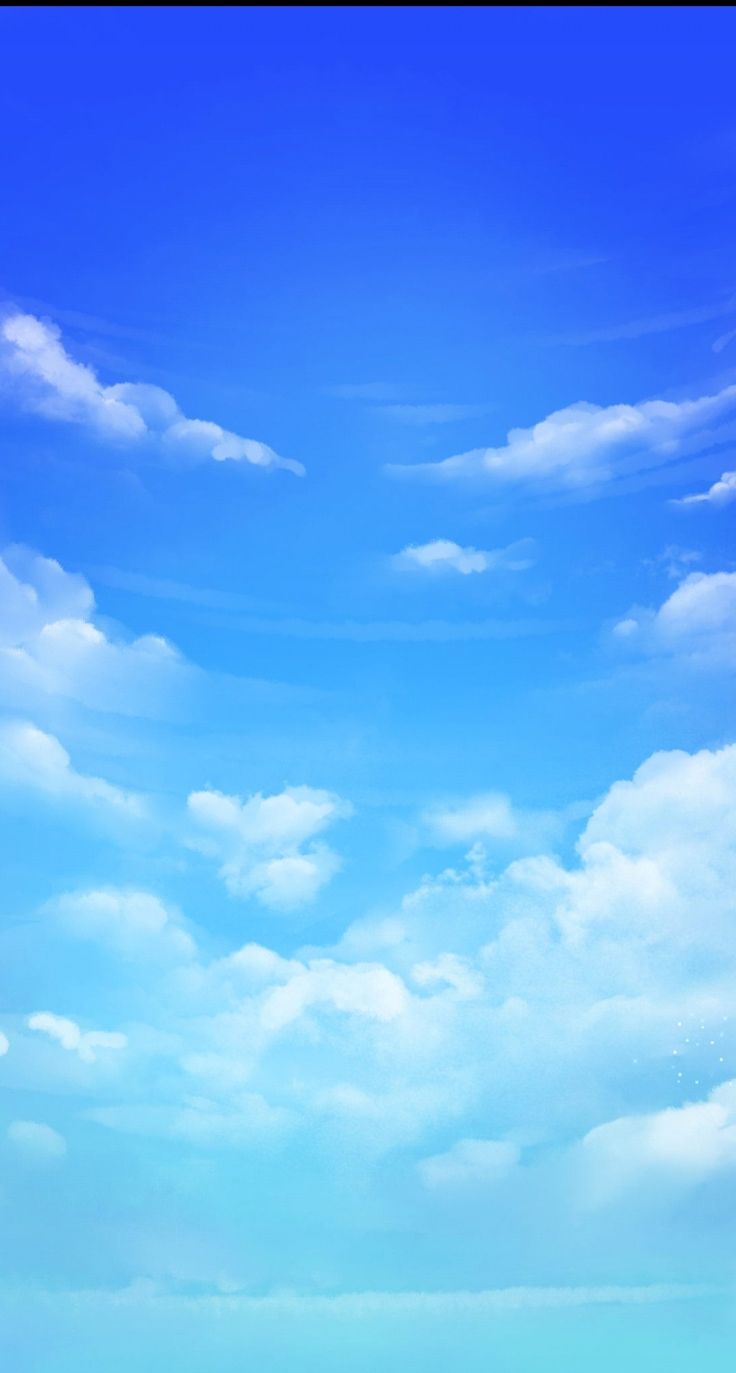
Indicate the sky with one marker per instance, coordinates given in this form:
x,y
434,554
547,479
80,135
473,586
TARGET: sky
x,y
367,646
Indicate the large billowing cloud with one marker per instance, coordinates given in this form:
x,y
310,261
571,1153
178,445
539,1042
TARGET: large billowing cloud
x,y
38,368
584,445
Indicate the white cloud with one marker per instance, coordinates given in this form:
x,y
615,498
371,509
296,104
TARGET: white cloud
x,y
470,1162
260,841
584,445
657,857
361,989
450,970
36,1140
443,555
722,492
51,383
4,1044
36,761
135,924
85,1043
683,1144
697,622
490,818
49,646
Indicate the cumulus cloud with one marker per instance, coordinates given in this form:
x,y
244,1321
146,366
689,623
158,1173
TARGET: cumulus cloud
x,y
50,382
134,924
266,843
470,1162
722,492
682,1145
697,622
84,1043
38,762
50,647
441,555
585,445
36,1140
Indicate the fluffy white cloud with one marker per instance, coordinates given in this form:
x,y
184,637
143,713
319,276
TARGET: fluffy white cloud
x,y
85,1043
36,761
135,924
4,1044
697,622
680,1144
657,858
51,383
722,492
584,445
261,841
50,647
36,1140
470,1162
444,555
369,990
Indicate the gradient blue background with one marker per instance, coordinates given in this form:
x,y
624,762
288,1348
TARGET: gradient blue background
x,y
308,225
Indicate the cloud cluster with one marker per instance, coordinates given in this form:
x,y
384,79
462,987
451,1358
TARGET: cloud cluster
x,y
266,844
51,383
484,998
584,446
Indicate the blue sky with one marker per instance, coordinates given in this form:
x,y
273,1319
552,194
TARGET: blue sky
x,y
367,639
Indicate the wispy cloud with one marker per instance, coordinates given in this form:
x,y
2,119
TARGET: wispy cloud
x,y
86,1044
360,1304
647,324
364,390
50,382
432,414
394,631
441,555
